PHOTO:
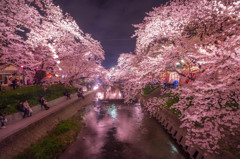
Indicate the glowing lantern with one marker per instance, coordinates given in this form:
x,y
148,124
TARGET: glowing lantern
x,y
49,75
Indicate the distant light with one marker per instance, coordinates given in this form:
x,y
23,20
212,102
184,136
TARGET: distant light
x,y
55,56
182,61
100,95
21,67
178,64
60,69
174,148
95,87
113,111
84,89
87,53
58,62
57,75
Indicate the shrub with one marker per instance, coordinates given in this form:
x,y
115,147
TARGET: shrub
x,y
52,145
171,100
149,88
65,126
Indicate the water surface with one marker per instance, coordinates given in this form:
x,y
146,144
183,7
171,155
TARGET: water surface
x,y
119,131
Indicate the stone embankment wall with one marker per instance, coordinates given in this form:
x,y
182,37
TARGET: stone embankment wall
x,y
171,124
16,143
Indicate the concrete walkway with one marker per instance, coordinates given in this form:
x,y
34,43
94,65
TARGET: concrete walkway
x,y
18,125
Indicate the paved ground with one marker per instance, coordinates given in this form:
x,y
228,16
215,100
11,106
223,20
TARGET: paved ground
x,y
20,124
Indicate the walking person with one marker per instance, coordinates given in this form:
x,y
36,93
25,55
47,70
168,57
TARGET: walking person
x,y
26,106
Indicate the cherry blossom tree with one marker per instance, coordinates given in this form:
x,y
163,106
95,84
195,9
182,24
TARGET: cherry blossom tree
x,y
40,37
14,22
124,67
204,34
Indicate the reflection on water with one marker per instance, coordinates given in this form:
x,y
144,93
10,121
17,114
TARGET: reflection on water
x,y
174,148
112,110
117,131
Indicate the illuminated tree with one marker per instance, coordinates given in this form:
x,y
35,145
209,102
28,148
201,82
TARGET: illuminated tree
x,y
38,36
204,34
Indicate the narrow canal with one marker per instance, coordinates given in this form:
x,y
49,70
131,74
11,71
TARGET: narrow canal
x,y
113,130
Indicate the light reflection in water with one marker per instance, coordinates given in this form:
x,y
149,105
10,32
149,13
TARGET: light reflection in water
x,y
112,110
173,148
120,131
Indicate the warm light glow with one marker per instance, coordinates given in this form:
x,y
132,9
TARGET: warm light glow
x,y
48,75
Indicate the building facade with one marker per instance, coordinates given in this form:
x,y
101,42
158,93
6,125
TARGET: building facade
x,y
9,73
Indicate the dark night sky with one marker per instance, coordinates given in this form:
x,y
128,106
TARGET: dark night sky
x,y
110,22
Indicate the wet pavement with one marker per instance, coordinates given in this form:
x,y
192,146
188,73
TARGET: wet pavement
x,y
119,131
